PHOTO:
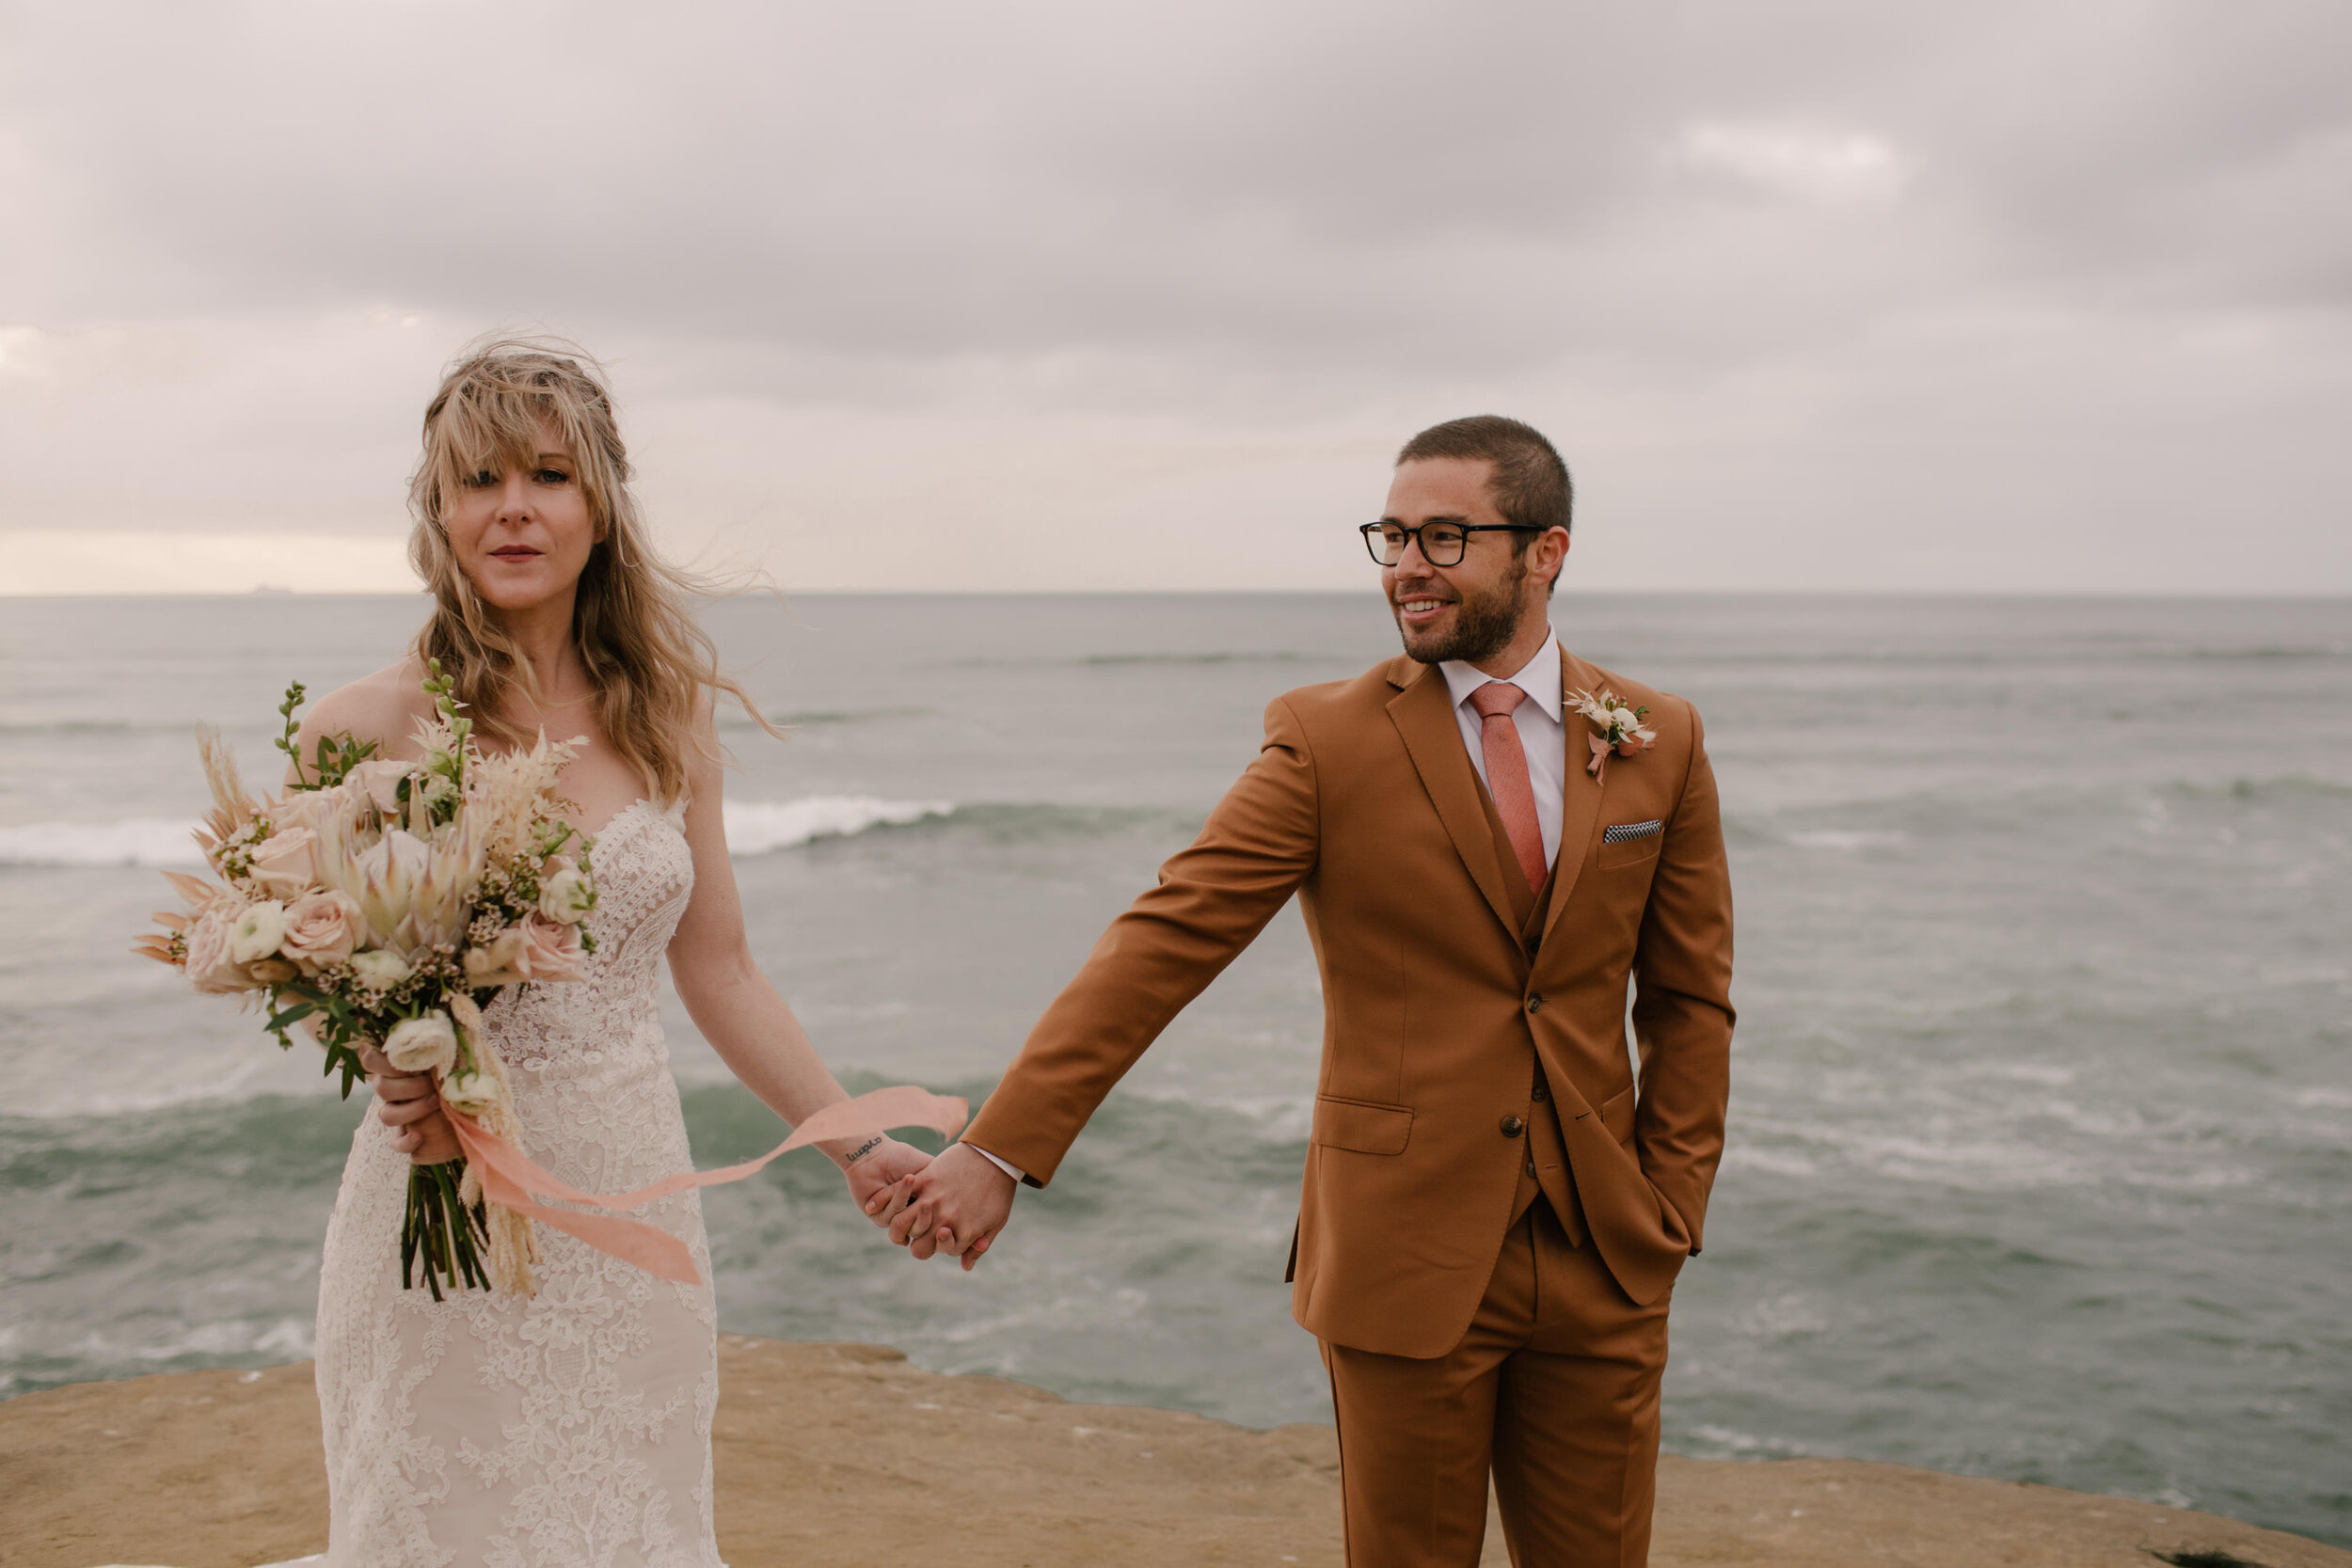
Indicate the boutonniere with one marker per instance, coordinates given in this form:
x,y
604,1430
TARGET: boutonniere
x,y
1620,724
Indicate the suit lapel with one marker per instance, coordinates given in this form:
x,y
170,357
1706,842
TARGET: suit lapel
x,y
1579,805
1424,716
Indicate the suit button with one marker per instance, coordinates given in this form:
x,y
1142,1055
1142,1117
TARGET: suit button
x,y
1543,1091
1536,1003
1531,1167
1513,1127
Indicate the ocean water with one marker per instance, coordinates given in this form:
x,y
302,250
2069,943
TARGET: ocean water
x,y
2041,1129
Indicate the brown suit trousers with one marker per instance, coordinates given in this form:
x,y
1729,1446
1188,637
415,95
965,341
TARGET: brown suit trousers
x,y
1553,1390
1443,1020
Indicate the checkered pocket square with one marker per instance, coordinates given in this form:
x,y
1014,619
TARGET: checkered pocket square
x,y
1619,832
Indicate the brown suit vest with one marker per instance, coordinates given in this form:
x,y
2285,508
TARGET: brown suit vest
x,y
1545,1171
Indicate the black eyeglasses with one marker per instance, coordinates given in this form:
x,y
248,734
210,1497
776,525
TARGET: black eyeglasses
x,y
1441,544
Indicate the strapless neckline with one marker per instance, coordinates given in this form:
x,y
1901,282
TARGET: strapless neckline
x,y
643,802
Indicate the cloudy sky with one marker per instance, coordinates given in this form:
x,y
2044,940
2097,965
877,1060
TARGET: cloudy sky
x,y
973,294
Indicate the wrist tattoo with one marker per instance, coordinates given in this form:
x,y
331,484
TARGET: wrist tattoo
x,y
862,1151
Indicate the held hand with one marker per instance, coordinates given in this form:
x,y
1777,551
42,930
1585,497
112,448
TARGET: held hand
x,y
407,1103
957,1206
875,1178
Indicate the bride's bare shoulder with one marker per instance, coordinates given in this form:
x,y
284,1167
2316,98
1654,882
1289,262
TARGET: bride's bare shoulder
x,y
383,707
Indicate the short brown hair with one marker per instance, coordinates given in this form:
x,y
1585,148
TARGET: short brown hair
x,y
1531,484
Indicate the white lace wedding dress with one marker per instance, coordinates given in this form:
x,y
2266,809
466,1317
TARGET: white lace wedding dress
x,y
571,1430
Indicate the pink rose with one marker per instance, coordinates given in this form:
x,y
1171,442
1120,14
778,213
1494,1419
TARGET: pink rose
x,y
538,949
550,950
322,930
319,810
286,862
296,808
212,969
380,781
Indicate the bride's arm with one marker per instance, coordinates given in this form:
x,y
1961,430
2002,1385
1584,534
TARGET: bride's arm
x,y
383,708
740,1013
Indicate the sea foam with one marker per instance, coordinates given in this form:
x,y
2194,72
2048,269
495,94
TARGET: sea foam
x,y
754,828
758,826
128,841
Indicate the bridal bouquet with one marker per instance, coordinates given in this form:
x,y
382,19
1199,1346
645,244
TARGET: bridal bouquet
x,y
381,902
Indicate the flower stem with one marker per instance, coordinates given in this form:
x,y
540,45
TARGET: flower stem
x,y
440,1226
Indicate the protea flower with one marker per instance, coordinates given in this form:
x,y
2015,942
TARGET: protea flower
x,y
414,890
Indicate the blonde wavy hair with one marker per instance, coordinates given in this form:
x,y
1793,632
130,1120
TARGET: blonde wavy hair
x,y
632,623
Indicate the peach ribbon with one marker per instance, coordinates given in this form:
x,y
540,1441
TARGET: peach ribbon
x,y
1601,749
510,1180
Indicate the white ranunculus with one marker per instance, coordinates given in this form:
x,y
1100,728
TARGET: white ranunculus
x,y
469,1093
564,897
258,931
427,1044
379,971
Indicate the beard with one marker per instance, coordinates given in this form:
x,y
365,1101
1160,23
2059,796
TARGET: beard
x,y
1483,623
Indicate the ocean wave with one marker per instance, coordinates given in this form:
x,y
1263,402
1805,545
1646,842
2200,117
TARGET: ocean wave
x,y
80,727
1274,1119
2276,651
2281,786
761,827
1848,839
1111,661
754,828
1206,659
735,719
1039,823
239,1080
268,1340
175,725
1709,1440
2040,656
128,841
1929,820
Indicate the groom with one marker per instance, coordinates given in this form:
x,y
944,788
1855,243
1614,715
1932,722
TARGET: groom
x,y
1493,1212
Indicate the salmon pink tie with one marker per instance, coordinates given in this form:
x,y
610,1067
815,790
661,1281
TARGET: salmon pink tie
x,y
1506,774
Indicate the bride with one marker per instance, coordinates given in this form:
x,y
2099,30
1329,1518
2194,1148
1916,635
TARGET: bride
x,y
572,1427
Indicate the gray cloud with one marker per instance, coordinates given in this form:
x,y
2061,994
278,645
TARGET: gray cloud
x,y
1815,244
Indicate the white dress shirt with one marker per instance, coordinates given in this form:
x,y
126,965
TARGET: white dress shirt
x,y
1006,1166
1543,730
1543,734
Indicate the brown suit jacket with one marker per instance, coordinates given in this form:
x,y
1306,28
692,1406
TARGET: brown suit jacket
x,y
1364,803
